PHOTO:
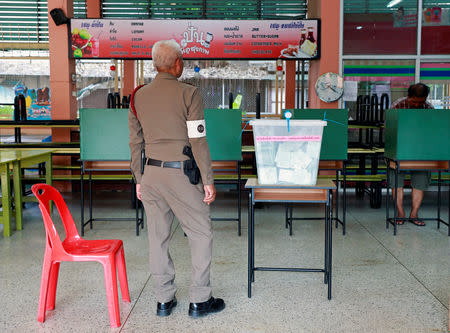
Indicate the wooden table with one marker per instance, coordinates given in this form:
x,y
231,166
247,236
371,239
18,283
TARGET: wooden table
x,y
319,193
19,159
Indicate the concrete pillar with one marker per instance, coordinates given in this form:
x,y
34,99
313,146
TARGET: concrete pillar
x,y
328,12
62,87
129,76
93,8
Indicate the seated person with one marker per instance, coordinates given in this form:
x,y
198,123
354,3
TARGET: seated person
x,y
420,180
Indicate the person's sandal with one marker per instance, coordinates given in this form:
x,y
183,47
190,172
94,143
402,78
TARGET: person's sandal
x,y
400,222
418,223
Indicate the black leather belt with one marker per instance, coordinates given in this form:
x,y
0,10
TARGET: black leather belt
x,y
162,164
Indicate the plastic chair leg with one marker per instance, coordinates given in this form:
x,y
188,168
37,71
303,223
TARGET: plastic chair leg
x,y
122,272
111,291
46,267
53,283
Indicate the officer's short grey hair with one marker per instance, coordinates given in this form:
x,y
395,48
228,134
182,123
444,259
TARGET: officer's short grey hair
x,y
164,54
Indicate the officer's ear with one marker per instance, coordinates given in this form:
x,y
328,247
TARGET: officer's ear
x,y
179,65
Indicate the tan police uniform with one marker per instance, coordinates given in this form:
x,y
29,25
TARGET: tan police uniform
x,y
169,117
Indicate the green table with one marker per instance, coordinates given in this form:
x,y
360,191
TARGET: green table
x,y
19,159
5,218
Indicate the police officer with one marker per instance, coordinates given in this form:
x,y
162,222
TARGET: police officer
x,y
166,116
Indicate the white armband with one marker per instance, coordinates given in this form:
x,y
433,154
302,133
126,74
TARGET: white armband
x,y
196,128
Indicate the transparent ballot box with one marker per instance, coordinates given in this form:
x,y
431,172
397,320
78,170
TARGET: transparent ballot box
x,y
287,153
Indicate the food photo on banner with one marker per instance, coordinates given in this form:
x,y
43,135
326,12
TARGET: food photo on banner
x,y
199,39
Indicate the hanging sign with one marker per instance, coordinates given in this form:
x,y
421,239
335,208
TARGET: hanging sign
x,y
199,39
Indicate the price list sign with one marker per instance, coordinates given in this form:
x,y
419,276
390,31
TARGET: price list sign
x,y
199,39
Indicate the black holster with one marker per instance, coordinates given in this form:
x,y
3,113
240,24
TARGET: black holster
x,y
190,167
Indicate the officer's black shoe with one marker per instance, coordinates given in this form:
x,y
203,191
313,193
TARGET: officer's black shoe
x,y
165,309
210,306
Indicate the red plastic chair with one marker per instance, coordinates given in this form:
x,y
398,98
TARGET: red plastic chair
x,y
74,248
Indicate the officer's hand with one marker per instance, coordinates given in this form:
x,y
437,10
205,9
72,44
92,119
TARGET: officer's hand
x,y
210,193
138,191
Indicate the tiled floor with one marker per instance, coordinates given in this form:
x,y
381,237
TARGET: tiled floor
x,y
381,283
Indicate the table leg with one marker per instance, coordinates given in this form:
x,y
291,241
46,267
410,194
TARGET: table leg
x,y
287,210
291,220
17,193
439,200
327,212
344,208
387,193
136,207
330,246
90,199
239,197
141,208
249,282
82,199
395,201
337,197
252,225
48,175
6,200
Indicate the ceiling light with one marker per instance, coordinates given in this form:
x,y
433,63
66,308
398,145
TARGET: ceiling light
x,y
392,3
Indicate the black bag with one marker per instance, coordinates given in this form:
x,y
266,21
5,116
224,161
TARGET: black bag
x,y
190,167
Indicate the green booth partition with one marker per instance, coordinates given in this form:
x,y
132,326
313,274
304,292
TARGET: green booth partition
x,y
417,134
335,134
223,132
104,135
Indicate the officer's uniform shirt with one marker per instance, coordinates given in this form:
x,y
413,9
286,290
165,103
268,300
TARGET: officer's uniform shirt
x,y
169,117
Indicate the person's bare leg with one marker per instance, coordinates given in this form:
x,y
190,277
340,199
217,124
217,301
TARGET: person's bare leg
x,y
399,203
417,197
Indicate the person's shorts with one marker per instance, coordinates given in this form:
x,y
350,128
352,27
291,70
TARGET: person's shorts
x,y
419,179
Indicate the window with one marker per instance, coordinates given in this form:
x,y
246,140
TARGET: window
x,y
435,27
205,9
23,21
437,76
380,27
378,77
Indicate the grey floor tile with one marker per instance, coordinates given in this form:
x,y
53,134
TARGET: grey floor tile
x,y
381,283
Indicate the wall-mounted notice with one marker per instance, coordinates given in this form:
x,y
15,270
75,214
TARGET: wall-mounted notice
x,y
199,39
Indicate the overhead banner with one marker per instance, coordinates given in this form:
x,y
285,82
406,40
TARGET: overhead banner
x,y
199,39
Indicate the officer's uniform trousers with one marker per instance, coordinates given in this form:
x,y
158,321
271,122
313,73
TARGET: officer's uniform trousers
x,y
167,192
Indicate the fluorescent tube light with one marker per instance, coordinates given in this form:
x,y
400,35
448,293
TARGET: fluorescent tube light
x,y
392,3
